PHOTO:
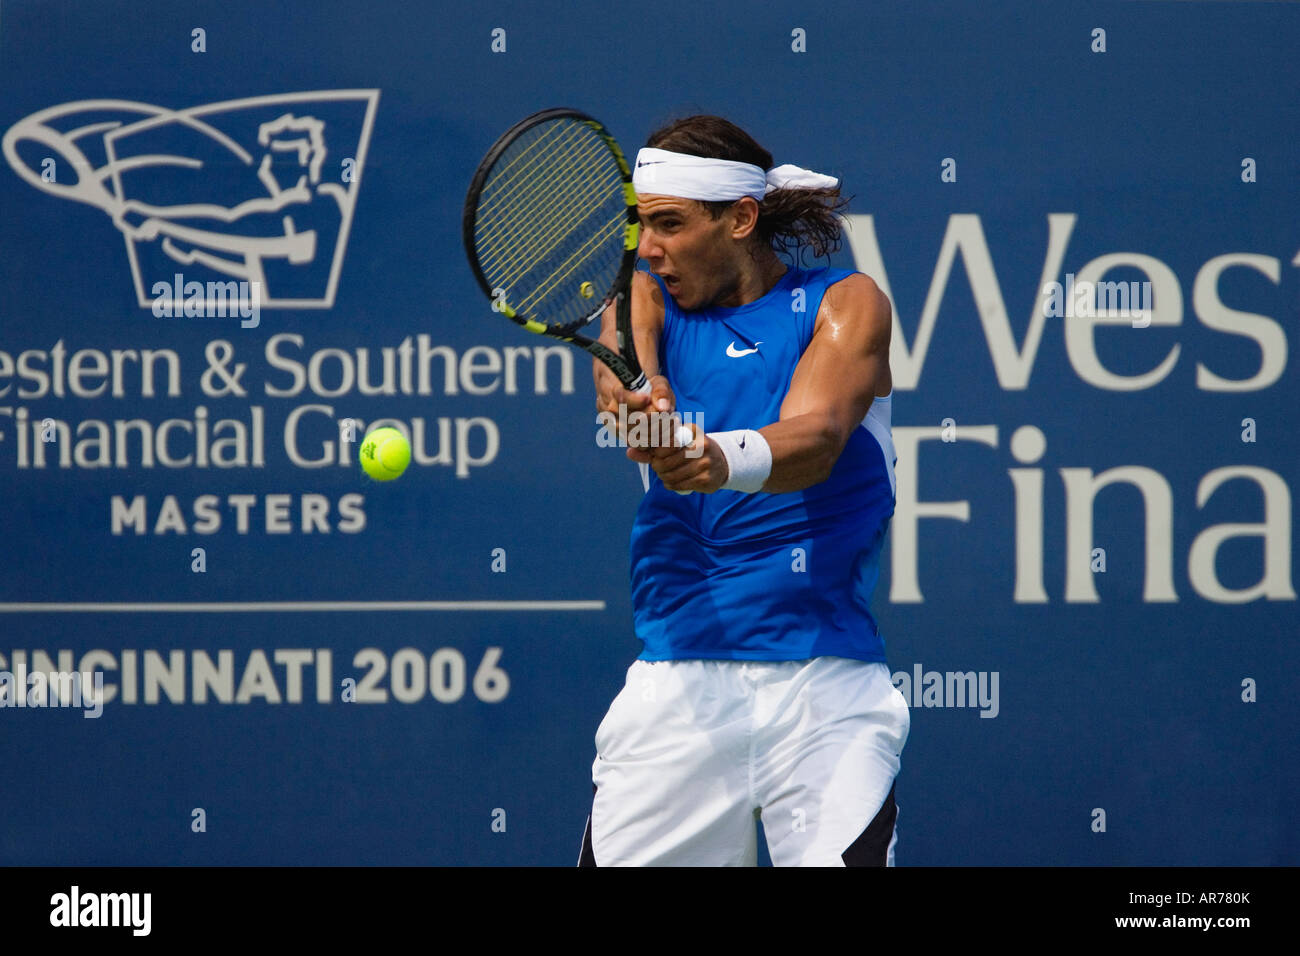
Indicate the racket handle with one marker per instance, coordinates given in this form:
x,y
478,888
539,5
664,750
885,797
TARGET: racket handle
x,y
683,436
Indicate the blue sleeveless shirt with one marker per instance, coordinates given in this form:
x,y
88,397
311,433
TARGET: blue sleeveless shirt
x,y
770,577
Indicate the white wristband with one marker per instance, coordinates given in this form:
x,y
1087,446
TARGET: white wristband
x,y
749,459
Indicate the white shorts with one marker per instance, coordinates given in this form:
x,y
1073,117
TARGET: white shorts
x,y
692,752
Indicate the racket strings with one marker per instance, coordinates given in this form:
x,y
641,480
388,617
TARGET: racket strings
x,y
535,207
541,223
518,194
533,248
532,139
507,178
539,293
532,206
578,259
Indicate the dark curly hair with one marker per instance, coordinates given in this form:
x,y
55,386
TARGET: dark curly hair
x,y
787,218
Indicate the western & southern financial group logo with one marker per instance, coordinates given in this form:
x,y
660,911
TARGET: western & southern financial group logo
x,y
260,191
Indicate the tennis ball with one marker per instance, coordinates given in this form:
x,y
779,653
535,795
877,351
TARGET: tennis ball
x,y
385,453
586,290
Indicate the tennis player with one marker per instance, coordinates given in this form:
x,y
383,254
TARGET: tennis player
x,y
762,690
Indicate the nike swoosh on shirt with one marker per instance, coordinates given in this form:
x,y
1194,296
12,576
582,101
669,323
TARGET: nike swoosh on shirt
x,y
734,352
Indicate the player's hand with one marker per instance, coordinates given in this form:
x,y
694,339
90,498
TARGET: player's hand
x,y
659,427
699,466
610,394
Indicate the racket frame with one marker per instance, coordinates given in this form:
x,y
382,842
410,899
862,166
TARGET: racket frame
x,y
623,363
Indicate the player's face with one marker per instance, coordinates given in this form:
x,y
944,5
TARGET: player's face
x,y
692,252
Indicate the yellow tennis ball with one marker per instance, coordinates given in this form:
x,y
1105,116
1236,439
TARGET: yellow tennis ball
x,y
385,453
586,290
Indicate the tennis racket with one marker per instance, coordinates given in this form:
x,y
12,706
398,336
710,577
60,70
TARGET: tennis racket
x,y
551,231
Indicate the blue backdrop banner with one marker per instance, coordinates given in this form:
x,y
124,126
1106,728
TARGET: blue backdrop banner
x,y
231,236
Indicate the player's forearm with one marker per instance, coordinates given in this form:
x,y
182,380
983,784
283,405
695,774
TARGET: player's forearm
x,y
608,331
804,450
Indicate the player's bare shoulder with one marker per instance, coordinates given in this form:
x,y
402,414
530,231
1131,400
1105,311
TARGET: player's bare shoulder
x,y
854,304
856,316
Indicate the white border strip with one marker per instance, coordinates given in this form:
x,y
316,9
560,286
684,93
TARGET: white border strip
x,y
225,607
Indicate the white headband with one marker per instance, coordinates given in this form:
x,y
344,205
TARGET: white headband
x,y
665,173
